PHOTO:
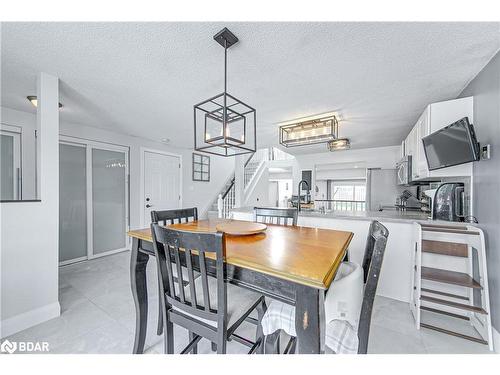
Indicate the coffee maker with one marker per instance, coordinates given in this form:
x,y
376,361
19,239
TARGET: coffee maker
x,y
448,202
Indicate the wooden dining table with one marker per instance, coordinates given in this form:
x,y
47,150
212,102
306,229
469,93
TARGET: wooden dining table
x,y
293,264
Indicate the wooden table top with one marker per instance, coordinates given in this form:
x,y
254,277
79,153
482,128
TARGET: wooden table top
x,y
308,256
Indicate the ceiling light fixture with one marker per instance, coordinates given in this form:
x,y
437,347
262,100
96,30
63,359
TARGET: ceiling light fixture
x,y
223,124
308,132
339,144
33,100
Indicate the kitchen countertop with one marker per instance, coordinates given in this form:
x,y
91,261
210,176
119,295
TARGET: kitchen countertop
x,y
386,215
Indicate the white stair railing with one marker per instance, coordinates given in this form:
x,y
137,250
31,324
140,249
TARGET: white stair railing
x,y
226,202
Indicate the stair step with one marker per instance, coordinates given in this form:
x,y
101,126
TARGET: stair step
x,y
448,229
437,311
456,305
449,277
453,333
444,293
445,248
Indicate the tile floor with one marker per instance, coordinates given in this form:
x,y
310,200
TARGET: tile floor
x,y
98,316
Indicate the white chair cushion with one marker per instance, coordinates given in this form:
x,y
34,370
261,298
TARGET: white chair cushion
x,y
344,298
341,337
342,303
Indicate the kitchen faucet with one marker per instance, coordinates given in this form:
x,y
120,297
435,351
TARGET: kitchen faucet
x,y
307,188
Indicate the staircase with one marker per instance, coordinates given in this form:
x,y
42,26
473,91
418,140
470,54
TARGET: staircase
x,y
450,279
227,196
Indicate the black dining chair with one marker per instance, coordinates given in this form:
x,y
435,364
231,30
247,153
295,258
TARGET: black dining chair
x,y
207,307
372,263
272,215
169,217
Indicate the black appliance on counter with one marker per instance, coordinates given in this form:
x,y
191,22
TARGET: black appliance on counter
x,y
449,202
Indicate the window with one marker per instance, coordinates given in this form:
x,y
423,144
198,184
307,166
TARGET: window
x,y
348,195
201,167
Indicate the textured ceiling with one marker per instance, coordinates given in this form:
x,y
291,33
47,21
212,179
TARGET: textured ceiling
x,y
143,78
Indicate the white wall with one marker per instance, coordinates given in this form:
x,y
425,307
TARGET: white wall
x,y
486,174
259,196
29,232
379,157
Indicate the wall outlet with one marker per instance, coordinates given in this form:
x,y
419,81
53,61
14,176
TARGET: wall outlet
x,y
485,152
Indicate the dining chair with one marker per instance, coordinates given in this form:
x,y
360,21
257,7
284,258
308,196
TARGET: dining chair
x,y
169,217
207,307
280,216
341,335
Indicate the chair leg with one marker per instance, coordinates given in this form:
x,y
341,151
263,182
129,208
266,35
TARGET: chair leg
x,y
191,338
168,336
272,343
221,343
259,335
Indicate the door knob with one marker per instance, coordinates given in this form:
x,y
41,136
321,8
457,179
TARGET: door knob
x,y
149,205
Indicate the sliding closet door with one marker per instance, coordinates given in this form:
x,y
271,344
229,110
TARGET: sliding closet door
x,y
72,203
109,200
93,199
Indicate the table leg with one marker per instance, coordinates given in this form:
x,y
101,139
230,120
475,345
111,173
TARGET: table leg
x,y
138,282
310,320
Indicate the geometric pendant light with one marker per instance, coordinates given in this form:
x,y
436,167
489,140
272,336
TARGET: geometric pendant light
x,y
223,124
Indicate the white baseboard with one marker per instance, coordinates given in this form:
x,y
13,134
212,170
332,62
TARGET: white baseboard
x,y
496,340
29,319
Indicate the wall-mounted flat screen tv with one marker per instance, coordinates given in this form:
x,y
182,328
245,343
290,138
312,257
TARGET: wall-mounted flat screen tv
x,y
452,145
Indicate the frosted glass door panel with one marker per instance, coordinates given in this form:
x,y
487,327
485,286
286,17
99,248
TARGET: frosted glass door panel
x,y
108,200
7,167
72,203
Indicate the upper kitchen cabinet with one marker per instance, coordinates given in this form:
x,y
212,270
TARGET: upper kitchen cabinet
x,y
436,116
422,129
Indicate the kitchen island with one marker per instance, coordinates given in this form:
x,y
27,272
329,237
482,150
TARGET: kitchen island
x,y
396,274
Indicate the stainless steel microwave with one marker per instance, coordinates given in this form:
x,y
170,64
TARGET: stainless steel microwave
x,y
403,169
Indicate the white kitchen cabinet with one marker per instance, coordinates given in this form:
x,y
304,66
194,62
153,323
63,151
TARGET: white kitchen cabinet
x,y
435,117
423,130
413,151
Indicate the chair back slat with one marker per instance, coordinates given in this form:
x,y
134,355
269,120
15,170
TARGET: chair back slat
x,y
188,249
189,266
279,216
372,263
170,272
204,281
180,280
169,217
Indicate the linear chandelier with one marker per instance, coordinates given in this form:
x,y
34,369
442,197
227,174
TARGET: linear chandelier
x,y
319,130
223,124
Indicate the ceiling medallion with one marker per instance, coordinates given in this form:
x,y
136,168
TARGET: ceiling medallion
x,y
308,132
223,124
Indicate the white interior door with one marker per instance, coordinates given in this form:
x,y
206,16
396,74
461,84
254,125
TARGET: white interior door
x,y
162,181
